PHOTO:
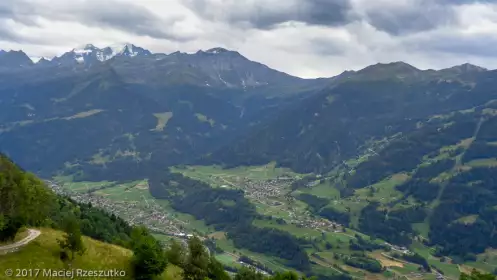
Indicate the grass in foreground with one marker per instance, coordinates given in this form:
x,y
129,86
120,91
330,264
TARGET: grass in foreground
x,y
43,253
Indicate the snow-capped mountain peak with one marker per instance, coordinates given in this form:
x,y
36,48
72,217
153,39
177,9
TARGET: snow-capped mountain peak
x,y
88,48
89,53
125,48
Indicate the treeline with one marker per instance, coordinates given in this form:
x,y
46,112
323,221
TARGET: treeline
x,y
228,210
95,223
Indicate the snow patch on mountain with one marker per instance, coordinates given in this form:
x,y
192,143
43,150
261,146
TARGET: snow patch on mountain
x,y
126,48
80,59
89,53
216,50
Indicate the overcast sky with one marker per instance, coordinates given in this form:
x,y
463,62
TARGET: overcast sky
x,y
306,38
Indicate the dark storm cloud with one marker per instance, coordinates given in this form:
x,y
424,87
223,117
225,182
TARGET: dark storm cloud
x,y
325,12
417,15
411,19
395,18
266,14
127,17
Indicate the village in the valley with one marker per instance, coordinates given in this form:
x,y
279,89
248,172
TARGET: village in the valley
x,y
275,193
152,216
272,193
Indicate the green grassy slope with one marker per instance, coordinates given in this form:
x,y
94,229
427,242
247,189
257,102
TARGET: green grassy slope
x,y
43,253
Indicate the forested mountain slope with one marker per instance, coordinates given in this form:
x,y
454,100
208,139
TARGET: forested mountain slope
x,y
340,121
426,139
105,119
451,164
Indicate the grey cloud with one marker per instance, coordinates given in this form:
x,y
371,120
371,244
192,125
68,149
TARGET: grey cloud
x,y
6,34
123,16
327,47
17,10
325,12
266,15
127,17
457,44
397,19
416,16
411,19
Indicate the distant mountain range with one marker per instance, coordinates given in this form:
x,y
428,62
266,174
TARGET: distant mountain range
x,y
200,103
135,105
216,67
89,54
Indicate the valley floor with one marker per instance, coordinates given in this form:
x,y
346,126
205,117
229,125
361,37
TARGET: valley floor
x,y
268,188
